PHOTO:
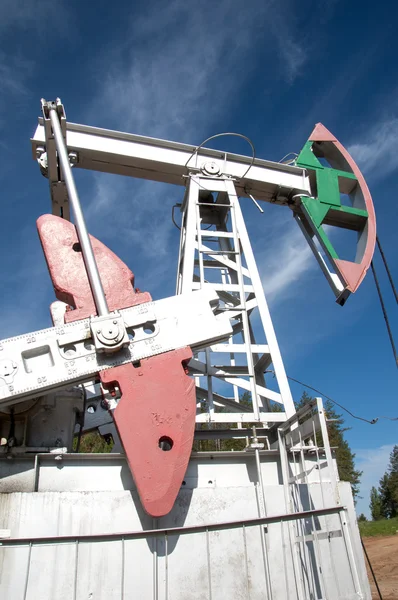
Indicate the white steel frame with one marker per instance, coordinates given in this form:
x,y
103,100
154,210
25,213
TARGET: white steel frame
x,y
301,540
132,155
242,296
239,285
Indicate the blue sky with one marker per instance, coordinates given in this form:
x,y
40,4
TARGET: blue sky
x,y
184,71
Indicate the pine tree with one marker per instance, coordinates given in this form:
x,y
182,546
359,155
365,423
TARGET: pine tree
x,y
375,504
393,483
388,487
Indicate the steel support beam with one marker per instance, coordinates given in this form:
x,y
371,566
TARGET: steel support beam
x,y
143,157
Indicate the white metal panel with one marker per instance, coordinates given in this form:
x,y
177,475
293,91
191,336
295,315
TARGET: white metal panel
x,y
219,563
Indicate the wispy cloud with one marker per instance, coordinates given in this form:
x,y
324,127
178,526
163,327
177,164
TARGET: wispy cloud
x,y
27,291
377,152
373,462
284,267
177,87
13,72
37,16
198,57
32,20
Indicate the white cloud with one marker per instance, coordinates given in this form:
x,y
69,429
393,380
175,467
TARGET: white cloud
x,y
37,16
174,76
377,153
294,55
34,21
186,61
373,462
283,267
26,289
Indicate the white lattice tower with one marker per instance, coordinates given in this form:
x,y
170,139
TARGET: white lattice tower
x,y
215,251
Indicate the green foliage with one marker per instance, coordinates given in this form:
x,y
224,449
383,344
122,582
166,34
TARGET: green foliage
x,y
388,489
381,527
305,399
361,518
375,504
93,442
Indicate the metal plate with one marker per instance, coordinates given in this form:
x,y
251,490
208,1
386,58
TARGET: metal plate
x,y
59,356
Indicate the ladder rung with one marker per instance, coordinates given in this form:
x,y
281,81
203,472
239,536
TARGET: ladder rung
x,y
212,204
223,287
219,234
232,370
239,348
227,297
218,252
263,362
211,264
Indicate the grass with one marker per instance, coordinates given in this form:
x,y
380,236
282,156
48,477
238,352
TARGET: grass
x,y
382,527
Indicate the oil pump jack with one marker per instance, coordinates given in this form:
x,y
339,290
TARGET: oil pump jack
x,y
154,519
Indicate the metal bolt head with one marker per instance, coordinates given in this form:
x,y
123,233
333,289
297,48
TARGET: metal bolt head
x,y
73,158
211,168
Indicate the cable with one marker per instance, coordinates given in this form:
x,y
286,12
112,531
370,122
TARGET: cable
x,y
387,269
383,308
11,441
289,154
371,422
172,215
371,570
79,435
240,135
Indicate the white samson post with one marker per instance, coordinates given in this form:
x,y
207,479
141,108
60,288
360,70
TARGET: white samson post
x,y
82,233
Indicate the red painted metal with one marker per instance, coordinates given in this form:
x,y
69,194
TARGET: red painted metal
x,y
157,410
158,402
67,271
352,272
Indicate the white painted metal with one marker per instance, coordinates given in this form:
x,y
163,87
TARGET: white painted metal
x,y
235,531
80,224
218,265
335,281
160,160
51,358
271,524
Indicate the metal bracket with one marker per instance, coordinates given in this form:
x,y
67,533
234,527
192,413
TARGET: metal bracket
x,y
109,333
48,161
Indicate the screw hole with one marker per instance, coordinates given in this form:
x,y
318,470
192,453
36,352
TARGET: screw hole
x,y
184,483
149,328
165,443
137,364
69,350
77,247
210,482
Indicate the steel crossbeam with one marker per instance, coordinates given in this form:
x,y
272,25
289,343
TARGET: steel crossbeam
x,y
38,362
143,157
